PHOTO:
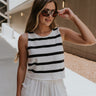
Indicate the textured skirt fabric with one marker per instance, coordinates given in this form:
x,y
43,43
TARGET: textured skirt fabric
x,y
35,87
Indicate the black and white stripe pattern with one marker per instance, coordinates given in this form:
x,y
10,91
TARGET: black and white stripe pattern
x,y
46,54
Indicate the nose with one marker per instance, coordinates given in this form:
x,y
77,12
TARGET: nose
x,y
50,15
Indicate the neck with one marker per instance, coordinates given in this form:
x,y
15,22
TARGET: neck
x,y
43,29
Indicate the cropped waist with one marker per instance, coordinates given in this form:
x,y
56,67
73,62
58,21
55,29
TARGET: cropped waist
x,y
46,76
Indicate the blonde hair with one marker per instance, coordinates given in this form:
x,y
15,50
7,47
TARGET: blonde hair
x,y
16,57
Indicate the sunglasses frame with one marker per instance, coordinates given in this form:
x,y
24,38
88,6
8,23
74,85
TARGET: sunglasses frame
x,y
46,12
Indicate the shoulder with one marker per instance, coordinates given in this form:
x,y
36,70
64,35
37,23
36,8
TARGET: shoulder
x,y
23,38
24,35
64,30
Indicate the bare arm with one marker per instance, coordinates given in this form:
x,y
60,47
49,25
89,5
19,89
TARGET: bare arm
x,y
85,38
22,63
74,37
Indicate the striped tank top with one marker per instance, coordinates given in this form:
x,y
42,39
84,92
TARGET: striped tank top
x,y
45,56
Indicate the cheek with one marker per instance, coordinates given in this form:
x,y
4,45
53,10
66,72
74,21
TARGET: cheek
x,y
41,18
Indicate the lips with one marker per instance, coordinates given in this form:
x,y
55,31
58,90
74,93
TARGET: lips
x,y
48,20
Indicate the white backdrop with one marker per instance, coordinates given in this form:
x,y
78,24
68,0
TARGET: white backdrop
x,y
14,3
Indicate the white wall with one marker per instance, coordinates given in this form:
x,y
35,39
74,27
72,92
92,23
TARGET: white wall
x,y
14,3
10,35
8,32
18,22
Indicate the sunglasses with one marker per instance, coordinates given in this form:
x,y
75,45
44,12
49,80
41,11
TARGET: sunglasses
x,y
47,12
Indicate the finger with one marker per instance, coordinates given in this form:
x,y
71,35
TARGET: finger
x,y
61,11
58,11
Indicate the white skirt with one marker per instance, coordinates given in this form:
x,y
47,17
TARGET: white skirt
x,y
35,87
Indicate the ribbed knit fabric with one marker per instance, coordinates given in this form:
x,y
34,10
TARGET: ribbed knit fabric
x,y
45,56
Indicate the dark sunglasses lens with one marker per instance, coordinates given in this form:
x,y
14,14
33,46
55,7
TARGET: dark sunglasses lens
x,y
55,14
45,13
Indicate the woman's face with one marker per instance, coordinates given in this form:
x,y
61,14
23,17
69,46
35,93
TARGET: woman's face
x,y
47,20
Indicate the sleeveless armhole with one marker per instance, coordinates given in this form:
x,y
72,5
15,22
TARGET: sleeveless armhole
x,y
63,37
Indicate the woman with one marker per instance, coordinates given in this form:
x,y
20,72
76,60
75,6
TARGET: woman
x,y
40,47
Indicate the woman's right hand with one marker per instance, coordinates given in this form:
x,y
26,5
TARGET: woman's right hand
x,y
66,13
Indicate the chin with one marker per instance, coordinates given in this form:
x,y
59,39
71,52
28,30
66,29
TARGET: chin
x,y
48,24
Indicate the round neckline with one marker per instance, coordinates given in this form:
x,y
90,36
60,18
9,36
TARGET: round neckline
x,y
44,36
